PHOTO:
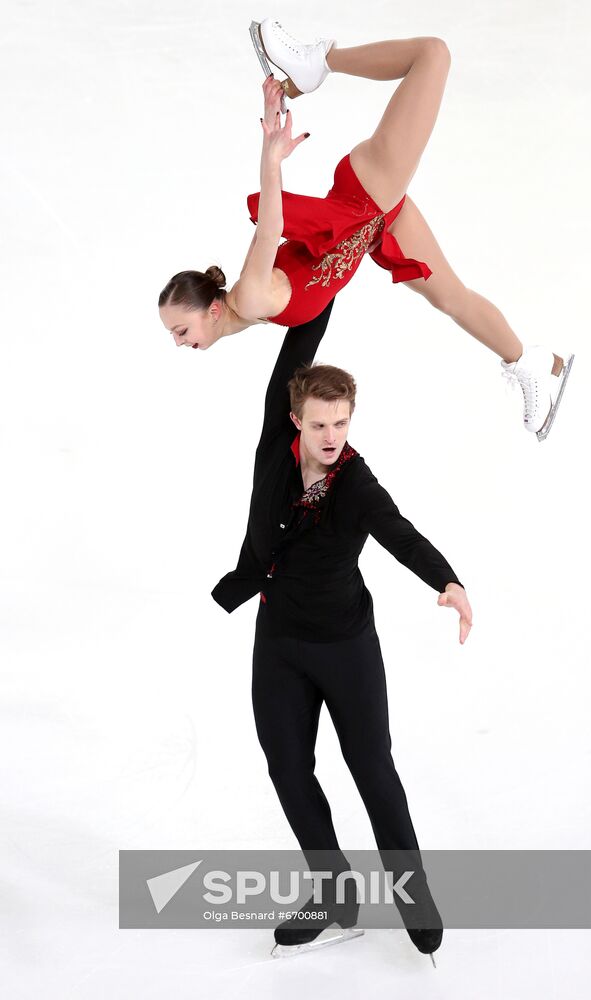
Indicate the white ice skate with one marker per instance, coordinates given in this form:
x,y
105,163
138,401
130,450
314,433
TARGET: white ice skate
x,y
304,64
542,391
330,935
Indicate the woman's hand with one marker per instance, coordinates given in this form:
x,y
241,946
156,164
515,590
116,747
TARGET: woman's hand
x,y
455,597
278,143
272,91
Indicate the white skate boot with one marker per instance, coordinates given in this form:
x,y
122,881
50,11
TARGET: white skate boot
x,y
542,390
305,65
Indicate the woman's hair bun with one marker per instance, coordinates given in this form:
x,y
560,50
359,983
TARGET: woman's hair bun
x,y
216,274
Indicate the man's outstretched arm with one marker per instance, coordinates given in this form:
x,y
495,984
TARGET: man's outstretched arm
x,y
380,517
299,347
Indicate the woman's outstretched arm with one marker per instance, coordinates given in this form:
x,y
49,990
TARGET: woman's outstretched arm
x,y
255,284
271,107
254,289
270,221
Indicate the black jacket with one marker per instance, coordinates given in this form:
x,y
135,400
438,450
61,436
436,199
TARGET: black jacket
x,y
303,559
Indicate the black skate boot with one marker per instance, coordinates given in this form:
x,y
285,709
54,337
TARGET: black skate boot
x,y
294,936
426,926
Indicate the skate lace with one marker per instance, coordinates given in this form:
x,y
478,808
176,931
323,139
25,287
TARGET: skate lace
x,y
298,46
529,387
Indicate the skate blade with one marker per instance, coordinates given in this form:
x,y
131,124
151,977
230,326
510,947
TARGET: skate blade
x,y
255,34
542,434
323,940
432,959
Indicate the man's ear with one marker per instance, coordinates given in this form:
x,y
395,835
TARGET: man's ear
x,y
296,421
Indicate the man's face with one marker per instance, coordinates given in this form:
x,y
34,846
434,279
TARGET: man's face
x,y
324,427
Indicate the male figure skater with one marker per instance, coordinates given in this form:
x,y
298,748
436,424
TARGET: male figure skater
x,y
314,502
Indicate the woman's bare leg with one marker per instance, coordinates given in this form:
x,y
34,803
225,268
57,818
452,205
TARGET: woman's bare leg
x,y
386,162
444,290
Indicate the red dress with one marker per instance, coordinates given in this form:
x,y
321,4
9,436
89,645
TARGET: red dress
x,y
326,239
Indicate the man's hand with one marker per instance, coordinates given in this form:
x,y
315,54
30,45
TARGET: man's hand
x,y
455,597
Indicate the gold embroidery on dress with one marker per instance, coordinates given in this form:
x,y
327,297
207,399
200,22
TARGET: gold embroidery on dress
x,y
334,265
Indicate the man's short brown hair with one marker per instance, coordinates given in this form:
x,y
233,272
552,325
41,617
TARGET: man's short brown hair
x,y
321,382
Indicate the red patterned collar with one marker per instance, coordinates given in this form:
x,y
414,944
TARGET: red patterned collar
x,y
314,496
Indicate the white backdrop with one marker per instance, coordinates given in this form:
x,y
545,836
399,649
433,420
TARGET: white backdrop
x,y
131,138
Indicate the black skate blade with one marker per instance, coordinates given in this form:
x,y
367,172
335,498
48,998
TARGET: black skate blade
x,y
542,434
326,938
255,34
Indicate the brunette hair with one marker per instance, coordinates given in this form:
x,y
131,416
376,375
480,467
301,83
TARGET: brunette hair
x,y
321,382
194,289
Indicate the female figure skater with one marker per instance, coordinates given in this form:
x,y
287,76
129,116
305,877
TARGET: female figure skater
x,y
366,211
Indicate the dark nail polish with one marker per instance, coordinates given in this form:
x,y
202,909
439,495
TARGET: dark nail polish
x,y
306,135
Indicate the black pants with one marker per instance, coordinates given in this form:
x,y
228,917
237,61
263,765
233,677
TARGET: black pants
x,y
291,679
